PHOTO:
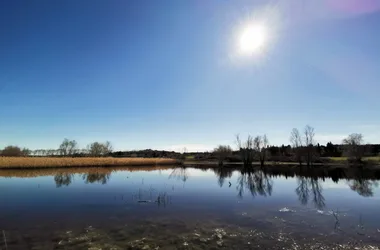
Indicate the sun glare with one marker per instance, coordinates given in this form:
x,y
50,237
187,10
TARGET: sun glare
x,y
254,35
252,39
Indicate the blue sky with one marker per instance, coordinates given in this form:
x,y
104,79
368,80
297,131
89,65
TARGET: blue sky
x,y
166,74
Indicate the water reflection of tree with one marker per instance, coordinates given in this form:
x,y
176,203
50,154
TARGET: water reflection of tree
x,y
363,187
63,179
179,174
96,177
303,190
310,186
257,182
222,173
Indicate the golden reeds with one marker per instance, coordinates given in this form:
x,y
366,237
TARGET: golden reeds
x,y
58,162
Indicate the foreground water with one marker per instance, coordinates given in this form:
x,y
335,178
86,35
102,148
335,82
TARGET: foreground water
x,y
185,208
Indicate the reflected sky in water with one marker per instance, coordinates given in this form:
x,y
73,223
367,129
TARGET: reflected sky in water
x,y
65,200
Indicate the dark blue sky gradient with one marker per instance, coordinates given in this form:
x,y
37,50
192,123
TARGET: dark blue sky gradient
x,y
163,74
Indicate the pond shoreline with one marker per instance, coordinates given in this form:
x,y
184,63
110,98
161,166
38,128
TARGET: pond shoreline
x,y
334,172
109,165
75,162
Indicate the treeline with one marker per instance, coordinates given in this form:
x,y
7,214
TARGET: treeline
x,y
68,148
148,153
303,149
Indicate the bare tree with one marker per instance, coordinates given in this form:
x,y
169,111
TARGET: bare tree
x,y
303,146
68,148
95,149
26,152
99,149
309,144
51,152
260,144
222,152
246,150
108,148
353,147
296,140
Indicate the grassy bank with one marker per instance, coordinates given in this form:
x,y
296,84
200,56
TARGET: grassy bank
x,y
345,159
62,162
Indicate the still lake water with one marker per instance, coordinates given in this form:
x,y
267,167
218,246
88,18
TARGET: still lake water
x,y
185,208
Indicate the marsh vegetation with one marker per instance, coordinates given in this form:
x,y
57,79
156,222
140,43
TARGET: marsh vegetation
x,y
54,162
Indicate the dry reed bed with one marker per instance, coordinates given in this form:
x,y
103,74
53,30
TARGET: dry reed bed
x,y
36,172
55,162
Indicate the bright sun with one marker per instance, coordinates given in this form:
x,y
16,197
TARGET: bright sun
x,y
253,39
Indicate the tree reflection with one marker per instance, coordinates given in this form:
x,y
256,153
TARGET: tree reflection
x,y
257,182
303,190
63,179
316,189
222,173
307,186
179,174
96,177
363,187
